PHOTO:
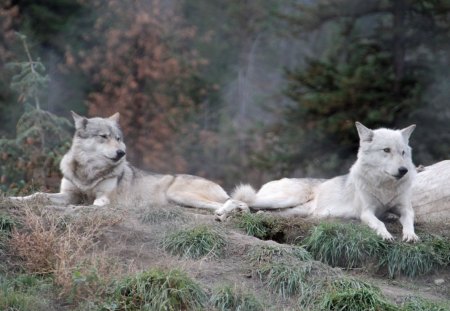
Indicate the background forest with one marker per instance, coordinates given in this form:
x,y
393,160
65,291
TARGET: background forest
x,y
236,91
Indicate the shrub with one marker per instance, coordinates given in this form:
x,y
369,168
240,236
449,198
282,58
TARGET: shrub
x,y
156,289
195,242
260,225
344,245
226,298
7,223
47,244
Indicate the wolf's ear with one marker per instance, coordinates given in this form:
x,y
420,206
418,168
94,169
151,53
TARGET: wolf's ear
x,y
115,117
80,122
365,134
407,131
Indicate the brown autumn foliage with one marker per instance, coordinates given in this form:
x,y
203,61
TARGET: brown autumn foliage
x,y
142,66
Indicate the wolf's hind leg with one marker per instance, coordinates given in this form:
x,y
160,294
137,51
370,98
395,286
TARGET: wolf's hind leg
x,y
61,198
191,199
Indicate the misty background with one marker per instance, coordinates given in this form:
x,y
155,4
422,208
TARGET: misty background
x,y
235,91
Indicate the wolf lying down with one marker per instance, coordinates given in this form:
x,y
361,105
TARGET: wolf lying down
x,y
379,181
95,170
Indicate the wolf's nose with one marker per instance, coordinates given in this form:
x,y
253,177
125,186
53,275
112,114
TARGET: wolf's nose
x,y
119,154
402,171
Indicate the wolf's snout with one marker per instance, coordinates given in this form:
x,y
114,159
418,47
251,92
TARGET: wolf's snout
x,y
402,171
119,154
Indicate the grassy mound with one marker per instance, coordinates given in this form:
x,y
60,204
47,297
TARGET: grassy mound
x,y
349,294
355,245
343,245
195,243
157,289
415,259
227,298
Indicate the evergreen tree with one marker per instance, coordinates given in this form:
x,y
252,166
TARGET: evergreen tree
x,y
374,72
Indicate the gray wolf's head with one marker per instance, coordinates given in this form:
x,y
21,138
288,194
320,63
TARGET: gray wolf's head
x,y
386,150
99,138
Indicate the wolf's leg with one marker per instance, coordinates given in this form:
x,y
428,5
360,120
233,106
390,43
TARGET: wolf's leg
x,y
407,221
190,199
301,210
61,198
104,190
368,217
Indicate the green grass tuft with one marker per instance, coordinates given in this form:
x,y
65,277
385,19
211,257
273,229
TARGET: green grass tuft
x,y
226,298
414,259
7,223
24,293
350,294
157,289
343,245
195,242
260,225
420,304
284,278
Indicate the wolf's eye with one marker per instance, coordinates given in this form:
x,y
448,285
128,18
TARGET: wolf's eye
x,y
103,136
403,152
387,150
118,138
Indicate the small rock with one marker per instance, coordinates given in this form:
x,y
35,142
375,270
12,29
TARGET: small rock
x,y
439,281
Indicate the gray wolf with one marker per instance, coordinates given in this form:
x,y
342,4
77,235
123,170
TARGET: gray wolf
x,y
95,171
379,181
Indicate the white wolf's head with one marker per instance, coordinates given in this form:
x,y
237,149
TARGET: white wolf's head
x,y
99,138
386,150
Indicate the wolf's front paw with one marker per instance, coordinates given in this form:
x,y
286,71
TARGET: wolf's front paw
x,y
102,201
385,235
410,237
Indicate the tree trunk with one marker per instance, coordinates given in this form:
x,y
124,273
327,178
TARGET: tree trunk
x,y
431,193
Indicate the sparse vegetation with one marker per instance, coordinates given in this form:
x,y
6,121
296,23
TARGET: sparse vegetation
x,y
48,244
197,242
157,214
227,298
157,289
265,254
420,304
24,293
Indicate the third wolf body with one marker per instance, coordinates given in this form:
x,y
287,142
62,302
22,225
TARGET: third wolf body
x,y
379,181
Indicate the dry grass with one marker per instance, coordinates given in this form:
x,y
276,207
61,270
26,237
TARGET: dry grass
x,y
47,243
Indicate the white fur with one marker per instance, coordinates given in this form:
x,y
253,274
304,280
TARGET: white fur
x,y
93,170
372,187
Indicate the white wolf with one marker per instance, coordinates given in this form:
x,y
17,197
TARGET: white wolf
x,y
95,171
379,181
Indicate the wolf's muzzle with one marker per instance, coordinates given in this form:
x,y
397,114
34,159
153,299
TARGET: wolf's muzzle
x,y
401,172
119,155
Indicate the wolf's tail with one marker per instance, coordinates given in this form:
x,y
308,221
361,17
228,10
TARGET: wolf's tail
x,y
244,193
